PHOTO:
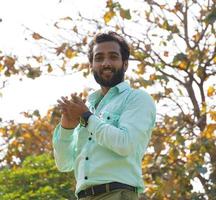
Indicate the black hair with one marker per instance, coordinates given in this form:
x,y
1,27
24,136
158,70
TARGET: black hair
x,y
108,37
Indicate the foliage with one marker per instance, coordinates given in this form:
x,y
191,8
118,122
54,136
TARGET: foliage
x,y
174,53
25,139
37,178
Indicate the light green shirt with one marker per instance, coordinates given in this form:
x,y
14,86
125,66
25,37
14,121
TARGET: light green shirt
x,y
113,144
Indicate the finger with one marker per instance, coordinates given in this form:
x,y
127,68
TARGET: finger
x,y
77,100
73,97
61,103
74,94
65,100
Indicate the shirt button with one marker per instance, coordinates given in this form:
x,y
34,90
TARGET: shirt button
x,y
86,177
90,138
87,158
91,133
108,118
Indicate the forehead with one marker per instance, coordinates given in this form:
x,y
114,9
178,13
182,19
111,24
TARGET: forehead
x,y
106,47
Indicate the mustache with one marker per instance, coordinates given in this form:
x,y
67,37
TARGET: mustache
x,y
108,68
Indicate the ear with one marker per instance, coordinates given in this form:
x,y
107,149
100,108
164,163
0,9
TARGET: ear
x,y
125,65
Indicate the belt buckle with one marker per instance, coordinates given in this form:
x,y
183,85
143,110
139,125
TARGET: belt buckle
x,y
92,190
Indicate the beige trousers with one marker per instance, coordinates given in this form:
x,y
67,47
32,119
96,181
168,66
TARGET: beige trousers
x,y
120,194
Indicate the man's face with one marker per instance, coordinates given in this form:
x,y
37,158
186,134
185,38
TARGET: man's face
x,y
107,65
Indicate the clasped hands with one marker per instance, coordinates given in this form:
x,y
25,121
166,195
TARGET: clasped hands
x,y
71,110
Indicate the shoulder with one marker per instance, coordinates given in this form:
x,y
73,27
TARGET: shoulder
x,y
141,96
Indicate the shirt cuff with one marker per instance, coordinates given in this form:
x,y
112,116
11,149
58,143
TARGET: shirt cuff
x,y
65,134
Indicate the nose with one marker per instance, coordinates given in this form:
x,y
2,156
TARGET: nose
x,y
106,62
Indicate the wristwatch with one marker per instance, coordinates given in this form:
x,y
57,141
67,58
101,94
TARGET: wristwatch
x,y
84,118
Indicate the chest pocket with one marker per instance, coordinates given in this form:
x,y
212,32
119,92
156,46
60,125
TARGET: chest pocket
x,y
110,118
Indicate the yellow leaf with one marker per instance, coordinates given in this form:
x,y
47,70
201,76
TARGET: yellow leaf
x,y
9,61
1,67
204,107
197,37
84,40
66,18
211,91
70,53
38,58
108,16
117,27
153,77
178,6
141,69
37,36
158,146
75,29
168,91
63,67
214,59
109,3
50,69
209,131
182,65
213,115
26,136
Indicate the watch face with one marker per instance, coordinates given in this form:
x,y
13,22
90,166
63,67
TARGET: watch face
x,y
82,122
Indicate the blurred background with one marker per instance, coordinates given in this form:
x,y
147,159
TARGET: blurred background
x,y
43,56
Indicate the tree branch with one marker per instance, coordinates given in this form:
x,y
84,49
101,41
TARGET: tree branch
x,y
185,17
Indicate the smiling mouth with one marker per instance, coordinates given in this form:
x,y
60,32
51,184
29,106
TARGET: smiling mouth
x,y
107,71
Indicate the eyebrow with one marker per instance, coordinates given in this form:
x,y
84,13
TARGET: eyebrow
x,y
110,53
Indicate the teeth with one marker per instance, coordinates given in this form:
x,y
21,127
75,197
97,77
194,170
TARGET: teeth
x,y
107,70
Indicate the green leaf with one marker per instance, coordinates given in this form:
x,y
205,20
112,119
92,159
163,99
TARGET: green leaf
x,y
179,57
125,14
211,17
201,169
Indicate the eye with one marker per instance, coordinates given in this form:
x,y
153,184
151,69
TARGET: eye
x,y
114,57
98,58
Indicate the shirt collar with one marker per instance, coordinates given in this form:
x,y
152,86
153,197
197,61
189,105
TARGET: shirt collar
x,y
121,87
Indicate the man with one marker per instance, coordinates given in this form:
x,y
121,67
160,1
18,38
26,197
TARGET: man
x,y
104,142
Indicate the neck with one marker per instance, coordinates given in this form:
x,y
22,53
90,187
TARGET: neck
x,y
104,90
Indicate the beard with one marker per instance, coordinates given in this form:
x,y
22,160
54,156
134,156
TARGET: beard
x,y
117,77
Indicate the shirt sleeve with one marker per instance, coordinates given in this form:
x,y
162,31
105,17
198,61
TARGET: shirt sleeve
x,y
135,126
64,145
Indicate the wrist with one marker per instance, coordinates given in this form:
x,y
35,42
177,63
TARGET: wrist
x,y
84,118
67,127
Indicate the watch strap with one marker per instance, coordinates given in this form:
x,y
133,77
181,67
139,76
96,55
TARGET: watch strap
x,y
84,118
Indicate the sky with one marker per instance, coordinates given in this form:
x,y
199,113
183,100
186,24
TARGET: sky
x,y
41,93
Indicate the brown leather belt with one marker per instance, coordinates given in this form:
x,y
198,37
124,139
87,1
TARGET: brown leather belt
x,y
100,189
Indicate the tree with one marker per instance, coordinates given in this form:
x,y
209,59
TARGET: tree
x,y
174,55
24,139
37,178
